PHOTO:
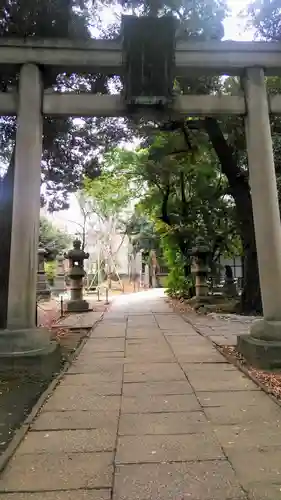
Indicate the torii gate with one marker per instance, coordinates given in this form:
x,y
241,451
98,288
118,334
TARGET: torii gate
x,y
251,61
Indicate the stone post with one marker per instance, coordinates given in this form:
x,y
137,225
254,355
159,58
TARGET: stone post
x,y
43,289
76,258
22,345
146,276
59,281
153,259
26,206
263,346
200,269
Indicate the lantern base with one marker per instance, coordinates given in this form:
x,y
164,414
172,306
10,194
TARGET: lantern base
x,y
262,348
29,351
264,354
77,306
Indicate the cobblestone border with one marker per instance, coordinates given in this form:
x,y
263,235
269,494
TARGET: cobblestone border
x,y
25,426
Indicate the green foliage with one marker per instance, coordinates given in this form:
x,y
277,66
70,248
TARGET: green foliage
x,y
265,18
197,19
142,234
180,195
114,191
178,285
54,240
50,270
71,149
188,193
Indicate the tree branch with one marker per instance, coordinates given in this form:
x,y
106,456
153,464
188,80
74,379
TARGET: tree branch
x,y
224,151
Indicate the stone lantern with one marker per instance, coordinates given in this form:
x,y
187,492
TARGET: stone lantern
x,y
76,257
200,252
42,289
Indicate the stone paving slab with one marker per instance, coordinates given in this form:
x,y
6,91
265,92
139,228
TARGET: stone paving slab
x,y
71,420
159,403
212,357
210,367
68,390
139,357
149,333
36,473
256,466
182,333
109,371
167,448
234,414
97,364
181,341
147,343
242,399
224,381
89,379
142,372
244,437
192,347
177,481
83,401
105,344
144,388
163,423
112,331
222,329
66,441
60,495
83,320
263,491
91,357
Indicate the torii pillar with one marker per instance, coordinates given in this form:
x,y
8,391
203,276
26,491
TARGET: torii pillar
x,y
21,340
262,347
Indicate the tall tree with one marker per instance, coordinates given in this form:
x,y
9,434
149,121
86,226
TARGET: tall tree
x,y
196,23
182,192
71,148
52,239
265,18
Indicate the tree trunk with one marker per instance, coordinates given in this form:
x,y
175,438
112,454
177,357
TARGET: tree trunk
x,y
251,296
240,191
6,210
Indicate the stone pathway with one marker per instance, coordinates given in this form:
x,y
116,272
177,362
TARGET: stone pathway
x,y
222,329
149,411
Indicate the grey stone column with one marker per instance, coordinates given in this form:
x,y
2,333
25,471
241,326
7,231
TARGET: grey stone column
x,y
264,193
263,346
26,207
23,346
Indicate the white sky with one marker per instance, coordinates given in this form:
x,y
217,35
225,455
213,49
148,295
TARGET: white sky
x,y
235,25
234,30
